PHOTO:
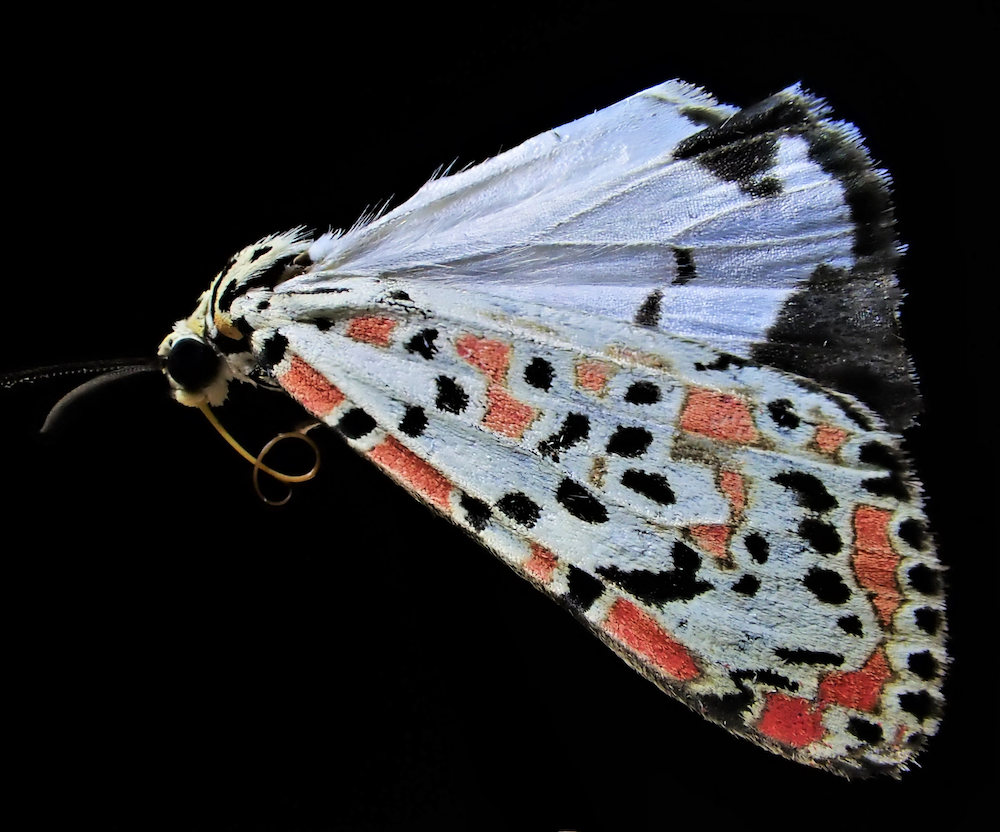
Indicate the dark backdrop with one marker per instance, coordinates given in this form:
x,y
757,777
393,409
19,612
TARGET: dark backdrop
x,y
178,655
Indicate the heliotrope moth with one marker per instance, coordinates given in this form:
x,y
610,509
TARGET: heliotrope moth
x,y
651,360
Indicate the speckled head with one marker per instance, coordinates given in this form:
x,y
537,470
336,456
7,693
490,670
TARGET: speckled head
x,y
211,348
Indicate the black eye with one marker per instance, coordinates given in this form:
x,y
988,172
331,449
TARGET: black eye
x,y
193,364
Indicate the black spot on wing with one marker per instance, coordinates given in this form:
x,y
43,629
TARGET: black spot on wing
x,y
763,187
890,486
477,513
928,619
650,311
728,708
520,508
579,502
657,588
769,677
356,423
707,116
914,533
880,455
450,396
757,546
924,665
259,253
322,324
747,585
642,392
629,442
743,162
539,374
782,414
851,625
810,493
684,258
422,343
723,362
743,148
821,536
652,486
920,704
875,453
867,732
774,114
414,421
575,428
584,588
828,586
924,580
272,351
325,290
812,657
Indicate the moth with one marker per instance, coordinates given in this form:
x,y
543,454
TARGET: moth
x,y
651,360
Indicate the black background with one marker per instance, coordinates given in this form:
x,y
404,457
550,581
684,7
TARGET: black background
x,y
177,655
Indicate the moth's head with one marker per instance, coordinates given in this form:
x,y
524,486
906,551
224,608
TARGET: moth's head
x,y
198,373
212,347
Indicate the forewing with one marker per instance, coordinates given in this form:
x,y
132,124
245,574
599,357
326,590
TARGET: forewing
x,y
751,542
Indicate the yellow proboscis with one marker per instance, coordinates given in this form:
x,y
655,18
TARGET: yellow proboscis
x,y
258,461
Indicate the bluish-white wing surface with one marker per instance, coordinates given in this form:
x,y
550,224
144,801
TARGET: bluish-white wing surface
x,y
741,536
765,233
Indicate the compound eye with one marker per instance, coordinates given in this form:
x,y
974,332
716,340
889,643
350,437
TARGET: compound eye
x,y
192,364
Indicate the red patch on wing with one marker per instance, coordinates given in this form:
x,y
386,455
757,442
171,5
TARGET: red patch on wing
x,y
875,562
791,720
310,389
491,357
829,439
731,484
415,472
541,564
718,416
637,630
371,330
712,539
593,376
859,689
505,414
